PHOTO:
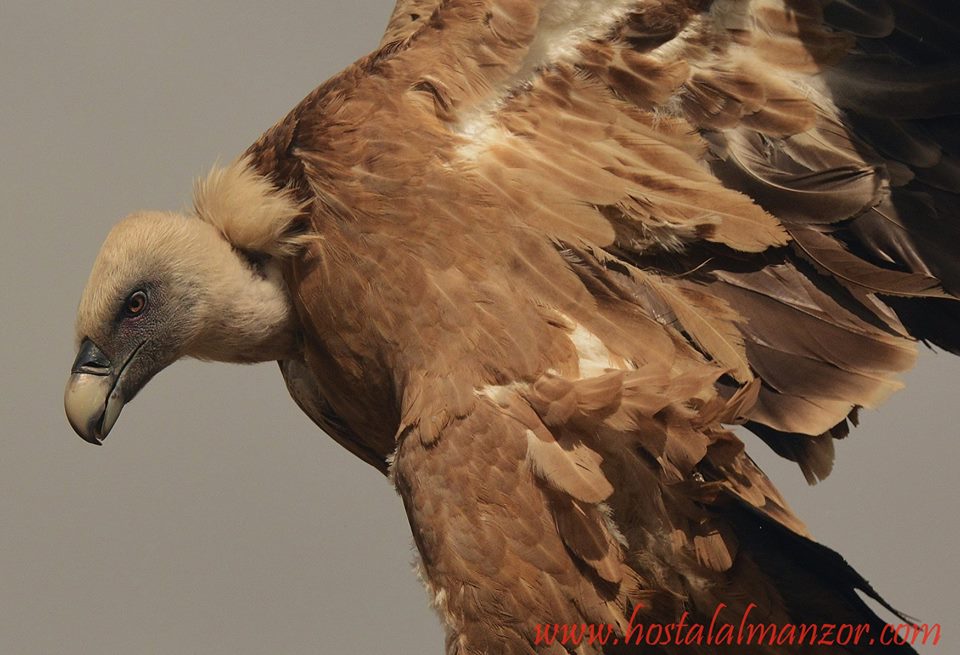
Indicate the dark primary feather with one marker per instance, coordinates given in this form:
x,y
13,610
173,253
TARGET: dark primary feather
x,y
743,211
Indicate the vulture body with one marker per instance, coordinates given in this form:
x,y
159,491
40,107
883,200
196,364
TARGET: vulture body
x,y
528,258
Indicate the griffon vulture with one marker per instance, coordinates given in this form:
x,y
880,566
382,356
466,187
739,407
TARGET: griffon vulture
x,y
529,257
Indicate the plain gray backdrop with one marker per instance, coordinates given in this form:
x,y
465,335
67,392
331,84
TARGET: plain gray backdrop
x,y
217,518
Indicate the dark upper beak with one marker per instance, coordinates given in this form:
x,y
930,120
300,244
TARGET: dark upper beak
x,y
92,399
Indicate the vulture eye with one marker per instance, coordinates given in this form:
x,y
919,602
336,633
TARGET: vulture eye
x,y
136,303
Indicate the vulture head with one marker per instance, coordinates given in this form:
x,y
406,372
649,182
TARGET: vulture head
x,y
168,285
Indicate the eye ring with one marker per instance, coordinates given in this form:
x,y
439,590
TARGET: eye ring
x,y
136,303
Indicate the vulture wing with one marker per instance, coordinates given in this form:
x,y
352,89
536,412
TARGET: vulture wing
x,y
553,246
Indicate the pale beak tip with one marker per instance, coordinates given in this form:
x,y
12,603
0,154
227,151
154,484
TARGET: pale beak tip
x,y
83,401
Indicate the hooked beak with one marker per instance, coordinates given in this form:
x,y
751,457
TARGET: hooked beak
x,y
93,398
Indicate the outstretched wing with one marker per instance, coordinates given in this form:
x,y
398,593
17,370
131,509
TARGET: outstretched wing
x,y
558,243
775,179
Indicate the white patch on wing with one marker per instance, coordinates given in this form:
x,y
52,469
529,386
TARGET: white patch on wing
x,y
501,393
607,512
481,132
594,356
564,24
437,596
593,359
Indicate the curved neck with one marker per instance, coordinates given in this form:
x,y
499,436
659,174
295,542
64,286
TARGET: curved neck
x,y
248,313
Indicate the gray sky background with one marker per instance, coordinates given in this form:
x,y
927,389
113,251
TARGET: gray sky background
x,y
217,518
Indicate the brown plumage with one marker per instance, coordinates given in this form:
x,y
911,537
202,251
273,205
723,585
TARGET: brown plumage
x,y
529,257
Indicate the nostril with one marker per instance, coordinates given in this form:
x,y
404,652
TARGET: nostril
x,y
91,360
